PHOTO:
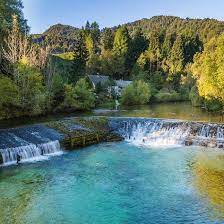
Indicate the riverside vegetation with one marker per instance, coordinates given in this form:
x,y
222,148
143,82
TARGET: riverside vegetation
x,y
170,58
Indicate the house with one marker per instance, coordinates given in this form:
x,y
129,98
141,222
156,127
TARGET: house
x,y
120,85
114,87
96,80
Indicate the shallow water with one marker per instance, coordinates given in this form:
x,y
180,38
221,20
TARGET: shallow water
x,y
116,183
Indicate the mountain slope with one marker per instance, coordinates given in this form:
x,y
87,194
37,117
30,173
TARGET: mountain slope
x,y
62,38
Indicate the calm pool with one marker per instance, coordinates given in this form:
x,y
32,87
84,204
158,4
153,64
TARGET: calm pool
x,y
116,183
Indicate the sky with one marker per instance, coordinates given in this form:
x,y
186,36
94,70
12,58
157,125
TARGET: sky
x,y
41,14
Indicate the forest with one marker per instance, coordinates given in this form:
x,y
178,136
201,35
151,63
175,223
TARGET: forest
x,y
169,59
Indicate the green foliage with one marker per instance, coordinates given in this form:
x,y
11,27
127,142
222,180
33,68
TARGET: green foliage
x,y
176,60
31,89
89,44
196,100
84,95
107,39
69,56
80,58
60,38
9,97
121,42
168,96
209,71
78,97
63,64
156,57
8,8
213,105
137,93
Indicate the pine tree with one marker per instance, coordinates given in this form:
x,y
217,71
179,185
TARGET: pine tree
x,y
80,58
138,45
107,40
95,34
87,28
177,56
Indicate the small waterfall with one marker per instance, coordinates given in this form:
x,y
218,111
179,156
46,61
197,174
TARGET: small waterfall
x,y
29,143
29,152
159,132
50,148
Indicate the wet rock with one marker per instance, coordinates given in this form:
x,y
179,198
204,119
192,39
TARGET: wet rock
x,y
1,159
188,142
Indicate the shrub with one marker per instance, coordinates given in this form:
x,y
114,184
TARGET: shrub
x,y
8,92
32,93
78,97
196,100
213,105
9,97
137,93
84,95
165,96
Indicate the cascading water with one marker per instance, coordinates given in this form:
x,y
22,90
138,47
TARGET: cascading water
x,y
159,132
29,152
28,143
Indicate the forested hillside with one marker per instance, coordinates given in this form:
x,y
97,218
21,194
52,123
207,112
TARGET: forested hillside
x,y
158,51
205,28
62,38
170,58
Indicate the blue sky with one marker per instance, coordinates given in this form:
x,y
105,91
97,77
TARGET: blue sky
x,y
43,13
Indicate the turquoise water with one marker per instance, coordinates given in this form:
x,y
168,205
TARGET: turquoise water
x,y
116,183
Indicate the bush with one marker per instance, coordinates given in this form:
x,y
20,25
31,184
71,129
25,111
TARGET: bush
x,y
84,95
196,100
165,96
9,97
32,93
137,93
78,97
213,105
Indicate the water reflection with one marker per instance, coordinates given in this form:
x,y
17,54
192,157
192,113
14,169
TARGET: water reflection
x,y
182,111
208,171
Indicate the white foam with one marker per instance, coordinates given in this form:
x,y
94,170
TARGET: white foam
x,y
31,153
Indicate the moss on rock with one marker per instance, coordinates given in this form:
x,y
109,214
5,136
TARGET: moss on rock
x,y
81,132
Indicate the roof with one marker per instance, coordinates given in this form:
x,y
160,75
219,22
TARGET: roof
x,y
122,83
96,79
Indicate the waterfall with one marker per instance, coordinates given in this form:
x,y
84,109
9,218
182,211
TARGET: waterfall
x,y
29,152
50,148
159,132
29,143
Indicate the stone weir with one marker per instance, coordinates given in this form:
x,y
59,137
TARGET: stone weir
x,y
160,132
43,140
39,141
